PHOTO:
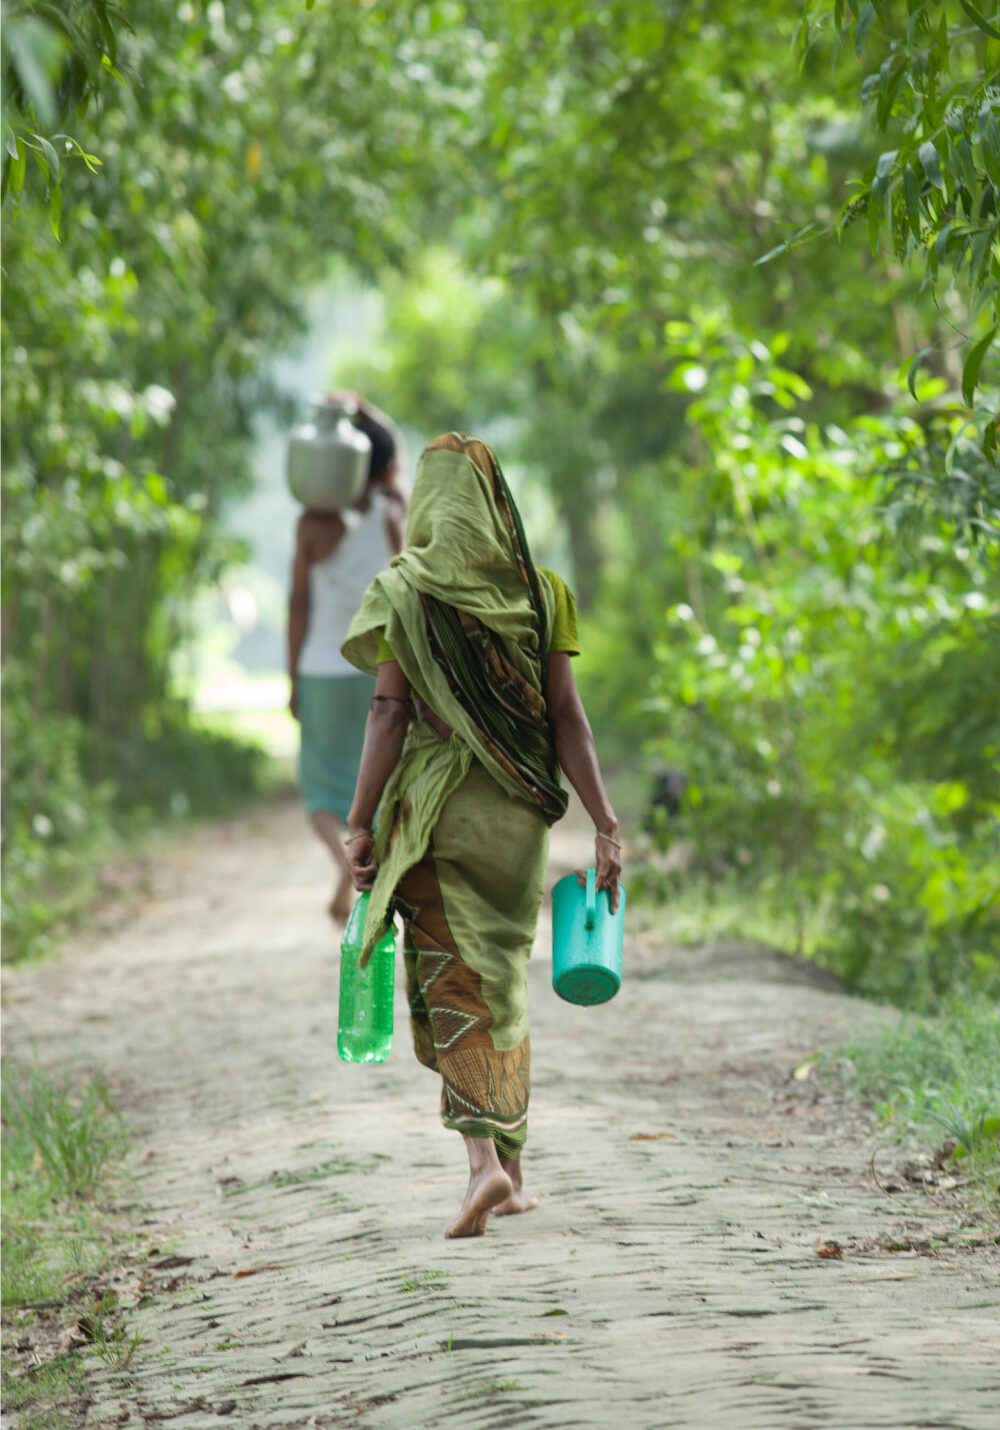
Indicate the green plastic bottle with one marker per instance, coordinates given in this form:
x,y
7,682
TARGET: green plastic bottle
x,y
364,1028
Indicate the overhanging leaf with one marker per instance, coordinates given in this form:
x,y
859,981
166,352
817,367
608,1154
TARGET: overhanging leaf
x,y
931,161
989,133
914,368
786,247
979,19
55,210
862,27
911,198
974,361
51,156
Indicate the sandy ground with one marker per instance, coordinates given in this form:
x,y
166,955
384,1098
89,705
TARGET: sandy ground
x,y
291,1208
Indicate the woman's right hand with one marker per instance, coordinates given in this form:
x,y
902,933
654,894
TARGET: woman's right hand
x,y
360,849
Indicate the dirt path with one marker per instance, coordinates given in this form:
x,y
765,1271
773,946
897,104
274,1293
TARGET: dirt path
x,y
670,1277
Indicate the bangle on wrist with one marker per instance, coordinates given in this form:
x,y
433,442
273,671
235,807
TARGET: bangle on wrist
x,y
361,834
609,838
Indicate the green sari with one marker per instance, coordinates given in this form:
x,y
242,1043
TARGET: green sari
x,y
463,824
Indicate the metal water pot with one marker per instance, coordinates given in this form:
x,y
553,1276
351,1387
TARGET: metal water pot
x,y
328,457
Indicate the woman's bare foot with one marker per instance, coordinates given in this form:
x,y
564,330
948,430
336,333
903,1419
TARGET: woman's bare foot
x,y
518,1201
486,1192
489,1186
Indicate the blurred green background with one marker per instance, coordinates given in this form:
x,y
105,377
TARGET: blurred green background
x,y
720,285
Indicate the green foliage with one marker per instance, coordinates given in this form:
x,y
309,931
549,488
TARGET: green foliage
x,y
61,1147
829,690
935,87
56,60
57,1145
933,92
939,1077
74,1134
234,156
44,1396
784,568
111,1339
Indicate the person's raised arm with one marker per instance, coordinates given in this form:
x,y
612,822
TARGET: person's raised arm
x,y
385,732
395,506
577,755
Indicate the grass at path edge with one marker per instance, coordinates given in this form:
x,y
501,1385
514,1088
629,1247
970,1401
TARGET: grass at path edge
x,y
62,1151
937,1077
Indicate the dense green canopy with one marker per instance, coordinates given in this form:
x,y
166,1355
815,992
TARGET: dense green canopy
x,y
723,278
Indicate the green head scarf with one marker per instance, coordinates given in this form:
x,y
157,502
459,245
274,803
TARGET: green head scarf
x,y
467,617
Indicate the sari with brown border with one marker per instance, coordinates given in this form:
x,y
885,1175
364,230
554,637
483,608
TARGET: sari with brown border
x,y
462,828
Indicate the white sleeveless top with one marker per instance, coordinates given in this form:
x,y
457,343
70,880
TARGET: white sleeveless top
x,y
337,584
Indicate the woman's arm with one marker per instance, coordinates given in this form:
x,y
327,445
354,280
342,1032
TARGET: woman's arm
x,y
577,756
395,507
298,609
385,732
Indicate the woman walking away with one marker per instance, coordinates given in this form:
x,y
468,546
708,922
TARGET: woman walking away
x,y
475,711
336,556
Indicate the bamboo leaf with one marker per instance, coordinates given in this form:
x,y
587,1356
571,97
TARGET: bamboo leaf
x,y
863,26
931,161
989,133
51,156
914,368
911,198
974,361
17,170
55,210
979,19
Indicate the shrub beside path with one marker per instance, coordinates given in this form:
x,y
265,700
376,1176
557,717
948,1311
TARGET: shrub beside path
x,y
290,1209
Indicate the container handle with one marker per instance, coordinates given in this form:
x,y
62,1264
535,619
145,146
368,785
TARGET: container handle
x,y
591,917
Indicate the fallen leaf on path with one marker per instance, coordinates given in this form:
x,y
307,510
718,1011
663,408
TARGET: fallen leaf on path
x,y
652,1136
803,1071
253,1270
73,1337
170,1263
829,1249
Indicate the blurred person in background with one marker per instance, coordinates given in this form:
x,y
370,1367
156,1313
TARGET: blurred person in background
x,y
336,556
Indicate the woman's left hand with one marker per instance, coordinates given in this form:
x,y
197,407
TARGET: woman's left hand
x,y
608,859
361,860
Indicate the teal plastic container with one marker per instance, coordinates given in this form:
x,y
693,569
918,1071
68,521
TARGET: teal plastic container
x,y
587,941
364,1025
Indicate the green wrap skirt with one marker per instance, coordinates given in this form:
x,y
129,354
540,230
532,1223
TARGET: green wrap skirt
x,y
470,911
